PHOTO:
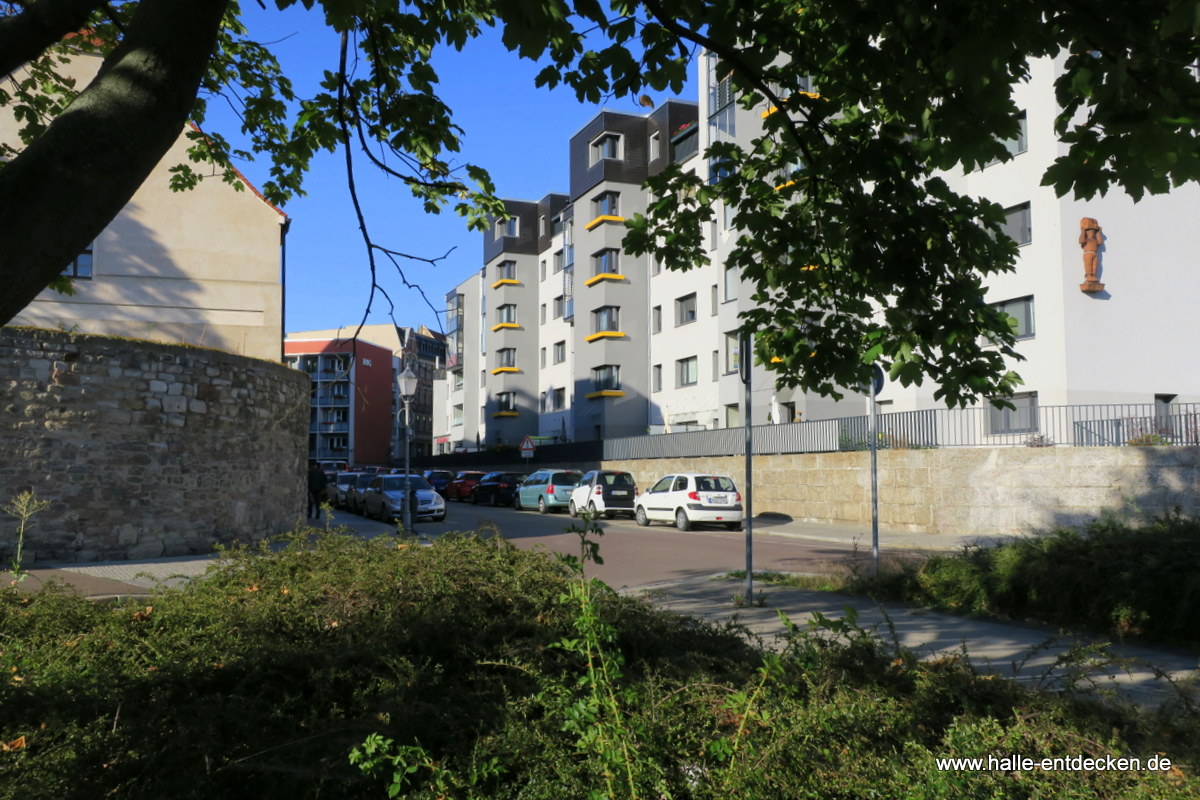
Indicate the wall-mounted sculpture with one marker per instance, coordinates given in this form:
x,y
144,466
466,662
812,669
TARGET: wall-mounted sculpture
x,y
1090,239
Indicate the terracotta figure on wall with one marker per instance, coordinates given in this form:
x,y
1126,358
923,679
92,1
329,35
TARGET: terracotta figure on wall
x,y
1090,239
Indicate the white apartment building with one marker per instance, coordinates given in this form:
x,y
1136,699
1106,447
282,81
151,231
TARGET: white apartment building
x,y
582,341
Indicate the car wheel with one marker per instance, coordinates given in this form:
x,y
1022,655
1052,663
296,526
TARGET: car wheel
x,y
572,510
517,502
592,510
542,508
733,526
640,517
681,520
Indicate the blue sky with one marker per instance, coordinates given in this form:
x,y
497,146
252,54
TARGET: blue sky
x,y
517,132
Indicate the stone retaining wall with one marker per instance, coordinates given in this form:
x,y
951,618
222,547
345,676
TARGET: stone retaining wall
x,y
968,491
144,449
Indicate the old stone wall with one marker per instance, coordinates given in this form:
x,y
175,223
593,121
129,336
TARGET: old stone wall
x,y
144,449
968,491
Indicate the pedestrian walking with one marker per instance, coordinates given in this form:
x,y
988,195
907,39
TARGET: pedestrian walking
x,y
316,489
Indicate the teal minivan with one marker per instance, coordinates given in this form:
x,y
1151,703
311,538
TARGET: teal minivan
x,y
547,490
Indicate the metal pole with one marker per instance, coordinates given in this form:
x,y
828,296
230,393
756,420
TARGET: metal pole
x,y
408,492
744,346
874,483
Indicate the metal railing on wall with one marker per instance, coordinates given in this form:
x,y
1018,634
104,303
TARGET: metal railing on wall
x,y
1037,426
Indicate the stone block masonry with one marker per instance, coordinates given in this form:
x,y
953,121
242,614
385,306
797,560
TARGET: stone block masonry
x,y
146,450
971,491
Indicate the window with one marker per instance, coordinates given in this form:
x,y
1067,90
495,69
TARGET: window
x,y
606,261
542,357
687,371
606,318
606,377
607,145
655,266
1018,144
733,416
558,399
606,204
81,267
558,261
542,314
506,401
685,310
716,364
542,225
656,319
507,314
731,283
456,417
507,227
557,307
457,378
506,357
655,146
1018,224
733,353
542,270
1020,312
507,270
714,299
656,378
560,352
1022,418
483,377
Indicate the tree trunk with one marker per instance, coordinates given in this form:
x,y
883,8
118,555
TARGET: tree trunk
x,y
60,192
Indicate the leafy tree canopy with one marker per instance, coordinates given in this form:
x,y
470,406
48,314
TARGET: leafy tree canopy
x,y
858,248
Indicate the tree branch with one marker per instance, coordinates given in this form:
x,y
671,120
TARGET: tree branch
x,y
95,155
43,23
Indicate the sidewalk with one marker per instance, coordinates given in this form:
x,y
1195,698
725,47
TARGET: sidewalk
x,y
1025,652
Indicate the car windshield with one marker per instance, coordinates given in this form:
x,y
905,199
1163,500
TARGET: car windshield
x,y
713,483
616,478
565,477
398,483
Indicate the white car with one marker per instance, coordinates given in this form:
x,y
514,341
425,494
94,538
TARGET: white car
x,y
688,498
604,491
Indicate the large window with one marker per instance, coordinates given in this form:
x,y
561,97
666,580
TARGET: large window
x,y
656,319
507,314
560,352
558,306
1020,312
1019,143
558,399
685,309
607,260
1022,418
457,379
1018,223
733,352
606,145
456,417
506,401
687,371
606,204
506,357
606,318
558,260
606,377
507,270
507,227
656,378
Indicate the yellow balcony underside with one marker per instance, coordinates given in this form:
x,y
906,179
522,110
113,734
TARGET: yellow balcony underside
x,y
506,282
603,218
604,335
605,393
506,325
604,276
504,414
773,109
498,370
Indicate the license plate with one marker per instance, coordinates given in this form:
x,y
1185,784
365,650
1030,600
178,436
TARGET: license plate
x,y
718,500
619,493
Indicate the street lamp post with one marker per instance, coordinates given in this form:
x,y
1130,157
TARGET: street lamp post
x,y
406,382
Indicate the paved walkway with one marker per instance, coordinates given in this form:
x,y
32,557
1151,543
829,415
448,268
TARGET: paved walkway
x,y
1029,653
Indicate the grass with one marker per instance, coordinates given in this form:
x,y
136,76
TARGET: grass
x,y
471,669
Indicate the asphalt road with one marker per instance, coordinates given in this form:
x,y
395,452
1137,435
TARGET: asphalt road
x,y
635,556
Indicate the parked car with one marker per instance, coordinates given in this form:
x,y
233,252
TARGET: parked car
x,y
547,489
356,492
497,488
689,498
385,498
604,491
338,488
439,479
460,488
